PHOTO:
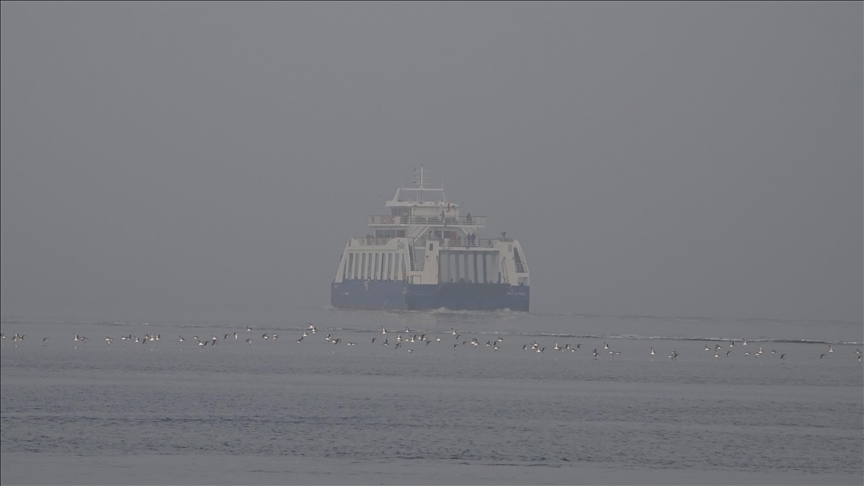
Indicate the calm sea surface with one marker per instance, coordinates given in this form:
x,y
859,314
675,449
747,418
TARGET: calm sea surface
x,y
794,408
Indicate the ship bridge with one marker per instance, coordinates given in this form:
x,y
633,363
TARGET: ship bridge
x,y
424,212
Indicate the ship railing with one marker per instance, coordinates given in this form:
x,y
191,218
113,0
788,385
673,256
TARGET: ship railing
x,y
521,267
465,243
478,221
372,240
417,266
461,242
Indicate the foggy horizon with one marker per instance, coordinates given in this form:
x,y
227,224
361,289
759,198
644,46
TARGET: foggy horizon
x,y
209,161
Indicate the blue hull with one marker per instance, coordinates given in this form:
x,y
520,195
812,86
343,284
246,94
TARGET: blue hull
x,y
376,294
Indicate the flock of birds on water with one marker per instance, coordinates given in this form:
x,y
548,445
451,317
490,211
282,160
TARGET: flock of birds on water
x,y
412,338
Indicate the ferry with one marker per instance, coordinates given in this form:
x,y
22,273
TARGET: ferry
x,y
426,254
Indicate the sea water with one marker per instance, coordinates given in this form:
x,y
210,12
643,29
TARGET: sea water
x,y
465,397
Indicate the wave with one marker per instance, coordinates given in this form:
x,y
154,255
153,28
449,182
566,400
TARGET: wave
x,y
737,340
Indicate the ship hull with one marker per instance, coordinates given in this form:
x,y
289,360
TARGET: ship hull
x,y
375,294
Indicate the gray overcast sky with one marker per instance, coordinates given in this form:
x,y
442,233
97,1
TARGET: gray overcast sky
x,y
198,160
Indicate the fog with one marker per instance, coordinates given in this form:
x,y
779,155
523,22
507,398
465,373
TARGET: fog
x,y
210,160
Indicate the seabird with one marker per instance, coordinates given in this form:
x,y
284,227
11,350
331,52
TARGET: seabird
x,y
373,340
181,338
249,341
782,356
652,352
830,349
383,330
45,340
248,328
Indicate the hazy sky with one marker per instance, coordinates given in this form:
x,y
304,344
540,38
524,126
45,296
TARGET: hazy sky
x,y
201,160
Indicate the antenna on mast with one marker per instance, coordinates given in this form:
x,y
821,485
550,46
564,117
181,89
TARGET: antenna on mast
x,y
421,183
